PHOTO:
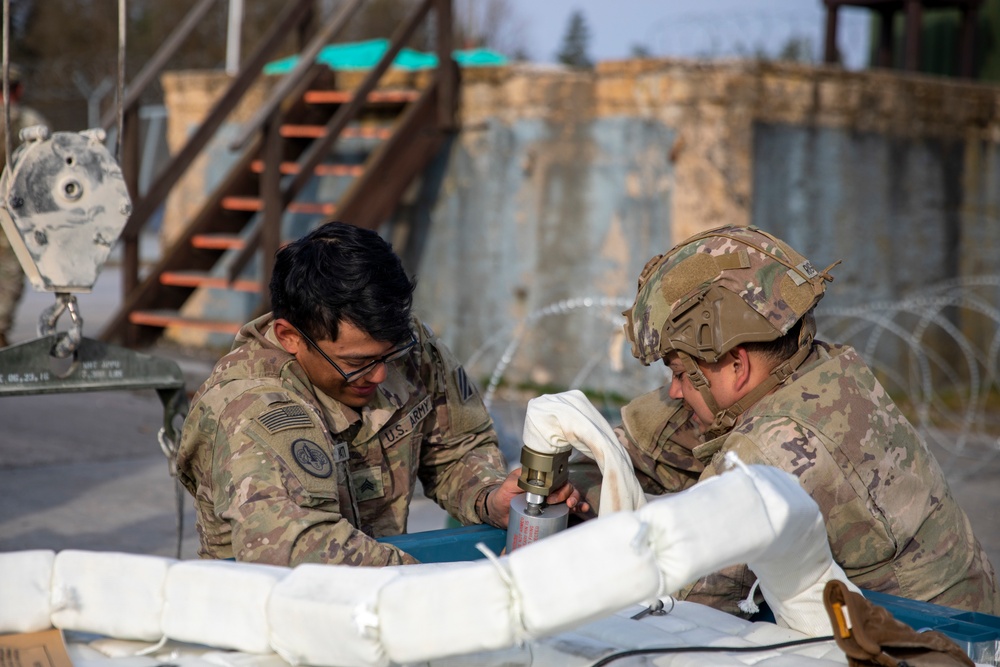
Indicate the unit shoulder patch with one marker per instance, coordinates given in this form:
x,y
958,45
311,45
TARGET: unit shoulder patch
x,y
284,418
466,388
312,458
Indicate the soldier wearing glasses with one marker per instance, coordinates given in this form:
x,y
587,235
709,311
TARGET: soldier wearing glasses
x,y
307,440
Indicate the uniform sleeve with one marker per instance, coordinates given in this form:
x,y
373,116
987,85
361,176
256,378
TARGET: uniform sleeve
x,y
460,460
723,590
276,483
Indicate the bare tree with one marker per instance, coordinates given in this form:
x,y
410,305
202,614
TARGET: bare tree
x,y
490,24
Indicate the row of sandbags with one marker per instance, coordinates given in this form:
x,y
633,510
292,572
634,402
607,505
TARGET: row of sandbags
x,y
344,616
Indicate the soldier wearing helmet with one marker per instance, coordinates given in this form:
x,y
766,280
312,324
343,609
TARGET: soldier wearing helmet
x,y
730,312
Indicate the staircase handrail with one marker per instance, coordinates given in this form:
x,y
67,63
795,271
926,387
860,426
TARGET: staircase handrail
x,y
248,74
152,69
344,115
281,91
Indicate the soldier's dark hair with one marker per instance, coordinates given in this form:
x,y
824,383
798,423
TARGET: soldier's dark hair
x,y
781,348
339,272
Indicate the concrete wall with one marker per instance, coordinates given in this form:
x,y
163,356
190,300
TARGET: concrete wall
x,y
563,184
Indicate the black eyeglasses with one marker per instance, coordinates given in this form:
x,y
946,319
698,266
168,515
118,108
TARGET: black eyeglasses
x,y
367,368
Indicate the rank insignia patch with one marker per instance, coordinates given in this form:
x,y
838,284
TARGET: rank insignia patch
x,y
368,483
285,417
466,389
312,458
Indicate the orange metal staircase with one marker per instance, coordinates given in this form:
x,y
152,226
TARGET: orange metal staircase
x,y
299,135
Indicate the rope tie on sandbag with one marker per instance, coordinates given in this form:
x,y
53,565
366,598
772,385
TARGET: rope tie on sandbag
x,y
366,621
748,606
154,648
520,632
63,598
641,539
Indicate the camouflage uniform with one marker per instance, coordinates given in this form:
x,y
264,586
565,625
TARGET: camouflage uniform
x,y
892,522
11,274
820,414
283,474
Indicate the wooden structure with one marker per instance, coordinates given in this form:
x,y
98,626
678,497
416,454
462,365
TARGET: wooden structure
x,y
288,142
913,9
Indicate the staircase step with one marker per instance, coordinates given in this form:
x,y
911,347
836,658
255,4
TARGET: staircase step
x,y
289,168
202,279
173,318
251,204
374,97
218,241
316,131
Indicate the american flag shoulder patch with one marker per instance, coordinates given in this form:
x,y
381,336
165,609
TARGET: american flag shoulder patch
x,y
466,389
284,418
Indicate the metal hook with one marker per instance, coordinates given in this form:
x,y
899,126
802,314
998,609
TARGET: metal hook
x,y
69,341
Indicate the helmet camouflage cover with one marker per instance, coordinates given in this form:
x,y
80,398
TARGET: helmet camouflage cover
x,y
719,289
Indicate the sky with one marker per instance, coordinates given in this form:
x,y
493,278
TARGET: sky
x,y
688,28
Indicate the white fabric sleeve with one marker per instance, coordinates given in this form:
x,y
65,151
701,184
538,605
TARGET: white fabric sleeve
x,y
556,422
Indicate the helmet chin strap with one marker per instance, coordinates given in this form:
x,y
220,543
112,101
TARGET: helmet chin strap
x,y
701,383
726,419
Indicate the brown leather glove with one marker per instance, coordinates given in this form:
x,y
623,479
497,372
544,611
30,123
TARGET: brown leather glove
x,y
869,635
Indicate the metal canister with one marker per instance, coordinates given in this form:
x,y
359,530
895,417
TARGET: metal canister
x,y
529,524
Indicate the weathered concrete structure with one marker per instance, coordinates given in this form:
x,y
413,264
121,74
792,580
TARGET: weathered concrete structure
x,y
563,184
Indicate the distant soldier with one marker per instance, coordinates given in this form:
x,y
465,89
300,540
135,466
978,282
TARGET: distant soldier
x,y
730,312
11,274
308,439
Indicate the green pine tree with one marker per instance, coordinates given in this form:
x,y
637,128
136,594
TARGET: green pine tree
x,y
573,51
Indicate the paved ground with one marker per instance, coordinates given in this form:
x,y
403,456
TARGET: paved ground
x,y
85,471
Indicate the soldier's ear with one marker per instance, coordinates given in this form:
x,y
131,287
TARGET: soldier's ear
x,y
742,364
289,338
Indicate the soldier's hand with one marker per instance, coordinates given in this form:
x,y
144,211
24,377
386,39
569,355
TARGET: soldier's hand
x,y
569,494
498,501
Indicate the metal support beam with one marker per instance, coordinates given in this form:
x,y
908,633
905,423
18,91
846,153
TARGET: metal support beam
x,y
967,43
830,47
914,22
447,92
886,42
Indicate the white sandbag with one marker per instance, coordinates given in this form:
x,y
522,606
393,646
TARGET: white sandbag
x,y
114,594
584,573
795,567
25,579
759,515
324,615
554,422
220,603
717,522
803,611
434,613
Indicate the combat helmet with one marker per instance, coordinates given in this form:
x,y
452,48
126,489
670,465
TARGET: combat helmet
x,y
720,289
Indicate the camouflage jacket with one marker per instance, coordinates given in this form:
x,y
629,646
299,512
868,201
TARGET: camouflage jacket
x,y
892,522
282,474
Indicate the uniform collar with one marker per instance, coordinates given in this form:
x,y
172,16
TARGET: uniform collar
x,y
705,451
